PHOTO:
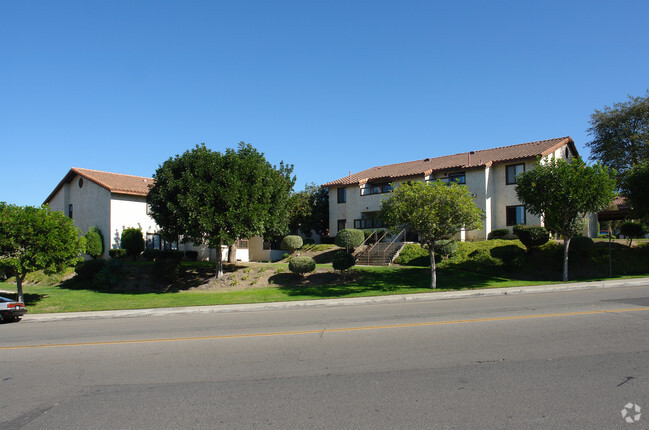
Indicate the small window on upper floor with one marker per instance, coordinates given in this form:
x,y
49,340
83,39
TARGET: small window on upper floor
x,y
459,178
70,211
512,171
342,195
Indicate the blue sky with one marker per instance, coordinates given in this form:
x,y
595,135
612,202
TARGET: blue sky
x,y
329,86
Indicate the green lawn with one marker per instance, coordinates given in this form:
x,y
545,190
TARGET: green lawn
x,y
488,264
369,281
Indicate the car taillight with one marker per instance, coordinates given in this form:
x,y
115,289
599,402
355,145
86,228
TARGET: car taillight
x,y
16,305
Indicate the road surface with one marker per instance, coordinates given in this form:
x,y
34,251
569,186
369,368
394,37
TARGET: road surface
x,y
552,360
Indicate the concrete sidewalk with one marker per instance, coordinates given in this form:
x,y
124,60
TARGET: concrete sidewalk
x,y
635,282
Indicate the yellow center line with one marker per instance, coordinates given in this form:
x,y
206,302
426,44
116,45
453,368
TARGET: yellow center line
x,y
334,330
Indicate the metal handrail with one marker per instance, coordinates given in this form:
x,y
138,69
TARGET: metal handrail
x,y
363,243
368,252
402,232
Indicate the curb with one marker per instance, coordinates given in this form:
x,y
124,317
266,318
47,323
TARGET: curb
x,y
355,301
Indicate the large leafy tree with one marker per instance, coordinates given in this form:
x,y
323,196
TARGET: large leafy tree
x,y
34,239
621,134
635,188
434,211
210,198
563,193
309,210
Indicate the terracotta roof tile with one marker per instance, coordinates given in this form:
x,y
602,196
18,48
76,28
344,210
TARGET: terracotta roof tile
x,y
465,160
113,182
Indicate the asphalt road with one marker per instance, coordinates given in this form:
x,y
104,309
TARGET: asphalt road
x,y
553,360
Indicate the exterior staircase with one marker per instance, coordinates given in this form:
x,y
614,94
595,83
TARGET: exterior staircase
x,y
382,252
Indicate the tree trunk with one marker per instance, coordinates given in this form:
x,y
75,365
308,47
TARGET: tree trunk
x,y
232,253
219,260
566,246
19,288
433,273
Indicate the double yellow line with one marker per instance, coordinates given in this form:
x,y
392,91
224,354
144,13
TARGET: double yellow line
x,y
322,331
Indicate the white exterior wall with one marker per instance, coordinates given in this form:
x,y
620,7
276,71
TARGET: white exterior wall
x,y
126,212
489,184
90,206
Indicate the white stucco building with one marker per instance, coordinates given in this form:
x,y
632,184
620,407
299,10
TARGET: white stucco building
x,y
490,174
113,202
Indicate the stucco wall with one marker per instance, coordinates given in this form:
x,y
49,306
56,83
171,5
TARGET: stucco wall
x,y
126,212
90,206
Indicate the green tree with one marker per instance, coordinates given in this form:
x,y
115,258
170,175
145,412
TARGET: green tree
x,y
204,196
309,210
621,134
434,211
34,239
635,189
94,242
563,193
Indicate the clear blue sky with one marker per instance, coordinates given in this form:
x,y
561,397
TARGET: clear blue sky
x,y
329,86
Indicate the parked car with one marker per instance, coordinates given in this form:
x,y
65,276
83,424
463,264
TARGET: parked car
x,y
11,310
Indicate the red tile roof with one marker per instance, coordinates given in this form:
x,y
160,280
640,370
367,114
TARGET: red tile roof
x,y
113,182
465,160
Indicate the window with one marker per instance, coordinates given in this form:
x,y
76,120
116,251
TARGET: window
x,y
341,224
80,182
364,223
367,189
154,241
342,195
515,215
459,178
148,209
70,211
512,171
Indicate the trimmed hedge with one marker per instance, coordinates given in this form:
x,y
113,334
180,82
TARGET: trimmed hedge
x,y
94,242
132,241
343,261
351,237
292,242
499,233
301,265
532,236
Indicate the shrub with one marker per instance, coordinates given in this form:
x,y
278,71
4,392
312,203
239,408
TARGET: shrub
x,y
132,241
291,243
369,232
94,242
166,270
412,254
110,276
86,270
512,256
191,255
301,265
532,236
343,261
499,233
632,230
349,237
580,245
445,248
117,253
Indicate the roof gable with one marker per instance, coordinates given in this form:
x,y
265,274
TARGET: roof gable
x,y
114,182
465,160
